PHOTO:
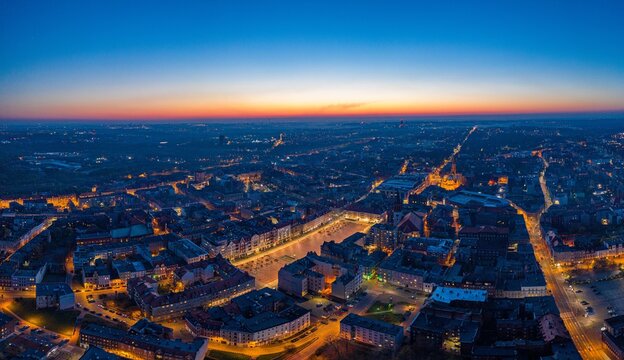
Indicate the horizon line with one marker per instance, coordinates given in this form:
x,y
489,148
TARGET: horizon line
x,y
486,116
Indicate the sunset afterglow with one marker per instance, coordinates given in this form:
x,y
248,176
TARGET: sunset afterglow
x,y
225,60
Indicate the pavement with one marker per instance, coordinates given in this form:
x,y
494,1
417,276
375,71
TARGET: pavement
x,y
67,351
590,347
265,266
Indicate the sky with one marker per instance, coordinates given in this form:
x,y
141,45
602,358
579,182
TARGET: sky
x,y
265,59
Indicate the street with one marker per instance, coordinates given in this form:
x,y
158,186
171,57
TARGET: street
x,y
264,266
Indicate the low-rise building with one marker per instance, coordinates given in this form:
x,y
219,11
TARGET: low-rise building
x,y
372,332
410,269
139,346
55,295
346,285
229,282
7,325
299,279
95,353
613,336
256,318
188,251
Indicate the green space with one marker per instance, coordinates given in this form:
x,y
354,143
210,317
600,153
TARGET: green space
x,y
379,306
273,356
226,355
388,317
92,319
384,312
61,322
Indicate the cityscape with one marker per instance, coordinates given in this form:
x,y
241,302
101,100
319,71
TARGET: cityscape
x,y
242,184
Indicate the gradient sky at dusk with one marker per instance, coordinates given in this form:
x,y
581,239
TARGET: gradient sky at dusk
x,y
148,59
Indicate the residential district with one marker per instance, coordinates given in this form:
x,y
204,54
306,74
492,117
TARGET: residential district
x,y
397,240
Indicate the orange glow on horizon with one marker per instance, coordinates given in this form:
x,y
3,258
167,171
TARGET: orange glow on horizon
x,y
202,110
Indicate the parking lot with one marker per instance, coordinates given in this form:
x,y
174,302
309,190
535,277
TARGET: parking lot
x,y
596,301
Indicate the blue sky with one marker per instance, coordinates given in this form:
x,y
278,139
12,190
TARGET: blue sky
x,y
144,59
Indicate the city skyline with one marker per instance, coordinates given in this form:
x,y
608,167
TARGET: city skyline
x,y
283,60
311,180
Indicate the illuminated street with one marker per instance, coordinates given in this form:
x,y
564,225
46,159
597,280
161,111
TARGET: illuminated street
x,y
586,338
264,266
312,180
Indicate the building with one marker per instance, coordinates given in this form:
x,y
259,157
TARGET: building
x,y
315,274
146,327
465,198
29,346
399,187
188,251
346,285
485,243
28,278
360,212
448,294
139,346
410,269
613,336
55,295
7,325
371,332
299,278
256,318
95,353
383,236
227,283
442,327
96,276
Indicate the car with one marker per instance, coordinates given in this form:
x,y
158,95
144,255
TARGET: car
x,y
583,302
578,291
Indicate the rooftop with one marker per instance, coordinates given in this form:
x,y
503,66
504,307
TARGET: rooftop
x,y
372,324
448,294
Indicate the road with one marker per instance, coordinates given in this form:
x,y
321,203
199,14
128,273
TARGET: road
x,y
375,291
69,350
588,347
264,266
33,233
436,171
